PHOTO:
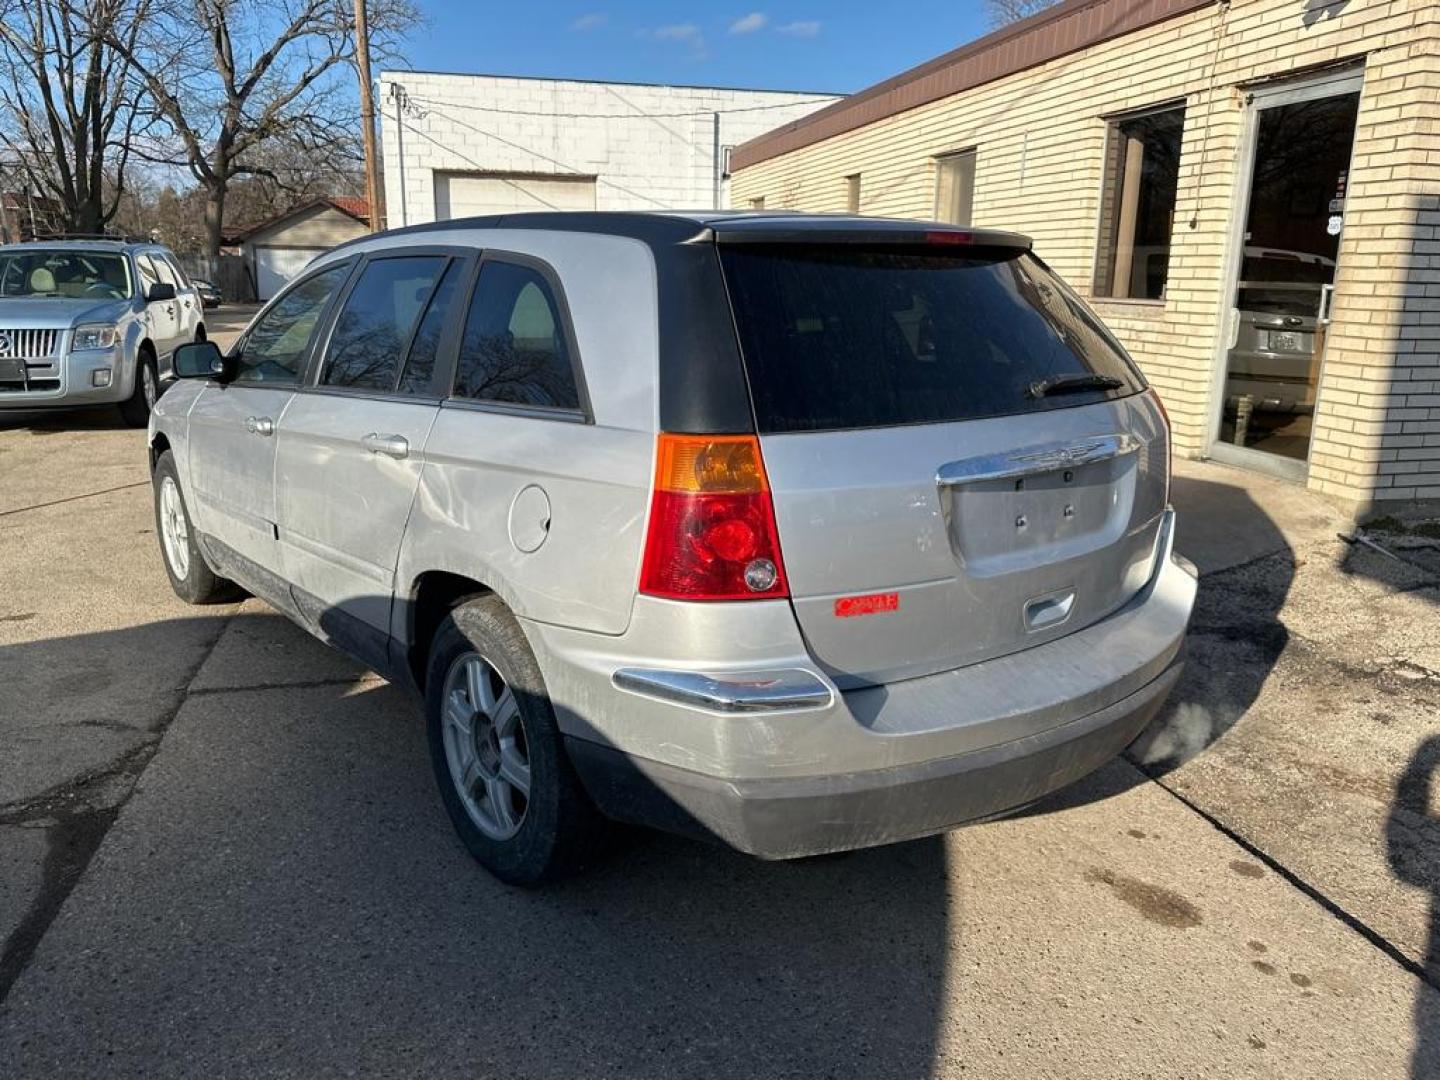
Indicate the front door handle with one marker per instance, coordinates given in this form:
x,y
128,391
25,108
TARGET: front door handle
x,y
260,425
396,446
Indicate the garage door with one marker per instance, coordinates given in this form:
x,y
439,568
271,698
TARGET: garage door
x,y
460,195
274,266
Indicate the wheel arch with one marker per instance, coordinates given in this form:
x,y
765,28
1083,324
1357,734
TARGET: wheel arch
x,y
158,445
433,595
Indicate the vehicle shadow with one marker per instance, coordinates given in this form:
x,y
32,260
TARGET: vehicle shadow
x,y
55,421
1236,636
1412,844
285,889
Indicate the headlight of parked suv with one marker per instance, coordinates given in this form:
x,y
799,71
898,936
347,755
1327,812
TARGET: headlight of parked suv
x,y
99,336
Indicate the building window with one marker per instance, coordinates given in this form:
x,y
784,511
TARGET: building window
x,y
852,193
955,187
1137,206
758,204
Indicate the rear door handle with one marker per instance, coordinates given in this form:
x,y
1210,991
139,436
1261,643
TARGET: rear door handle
x,y
260,425
396,446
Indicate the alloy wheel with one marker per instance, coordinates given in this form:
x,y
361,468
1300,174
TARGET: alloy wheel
x,y
174,532
486,747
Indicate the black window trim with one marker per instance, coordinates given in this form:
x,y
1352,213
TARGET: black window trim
x,y
449,336
237,350
584,413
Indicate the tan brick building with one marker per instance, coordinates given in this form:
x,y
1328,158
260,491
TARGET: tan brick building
x,y
1248,192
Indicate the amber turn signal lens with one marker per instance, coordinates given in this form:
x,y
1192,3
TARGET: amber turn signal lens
x,y
700,464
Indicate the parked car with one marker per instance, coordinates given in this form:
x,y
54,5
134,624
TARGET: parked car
x,y
91,322
209,292
797,533
1272,360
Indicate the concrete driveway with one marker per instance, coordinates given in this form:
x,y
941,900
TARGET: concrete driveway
x,y
223,854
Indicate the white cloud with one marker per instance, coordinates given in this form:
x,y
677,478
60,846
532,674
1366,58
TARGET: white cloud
x,y
588,22
682,33
676,32
800,28
748,24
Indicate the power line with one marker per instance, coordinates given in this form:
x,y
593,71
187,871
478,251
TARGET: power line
x,y
472,161
523,149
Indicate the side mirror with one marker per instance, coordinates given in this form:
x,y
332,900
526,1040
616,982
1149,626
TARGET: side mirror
x,y
161,290
202,360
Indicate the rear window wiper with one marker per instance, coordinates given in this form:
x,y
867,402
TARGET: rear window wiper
x,y
1073,383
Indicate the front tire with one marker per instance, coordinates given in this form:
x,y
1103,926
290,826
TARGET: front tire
x,y
497,752
135,410
190,576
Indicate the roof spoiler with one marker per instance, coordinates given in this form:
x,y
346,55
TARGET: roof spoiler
x,y
874,232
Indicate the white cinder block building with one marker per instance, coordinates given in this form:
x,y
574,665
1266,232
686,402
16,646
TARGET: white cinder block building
x,y
460,145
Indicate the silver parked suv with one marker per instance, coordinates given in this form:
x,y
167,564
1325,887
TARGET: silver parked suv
x,y
797,533
91,322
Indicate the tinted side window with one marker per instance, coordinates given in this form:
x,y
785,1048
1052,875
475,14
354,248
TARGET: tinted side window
x,y
275,347
513,349
373,327
420,365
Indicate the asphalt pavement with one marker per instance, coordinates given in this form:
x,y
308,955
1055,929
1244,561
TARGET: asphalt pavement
x,y
223,853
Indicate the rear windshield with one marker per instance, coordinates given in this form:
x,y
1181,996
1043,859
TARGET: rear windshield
x,y
839,338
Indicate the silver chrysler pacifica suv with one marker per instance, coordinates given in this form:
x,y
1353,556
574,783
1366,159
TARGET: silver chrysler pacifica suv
x,y
796,533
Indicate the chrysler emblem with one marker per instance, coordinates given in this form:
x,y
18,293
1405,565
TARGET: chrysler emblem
x,y
5,345
1069,455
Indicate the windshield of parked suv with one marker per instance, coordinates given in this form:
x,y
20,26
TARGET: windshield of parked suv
x,y
844,337
64,273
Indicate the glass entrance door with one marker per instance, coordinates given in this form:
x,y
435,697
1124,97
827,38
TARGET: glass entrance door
x,y
1279,310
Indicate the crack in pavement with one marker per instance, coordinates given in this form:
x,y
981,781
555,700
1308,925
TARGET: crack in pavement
x,y
81,811
74,498
1378,940
1421,675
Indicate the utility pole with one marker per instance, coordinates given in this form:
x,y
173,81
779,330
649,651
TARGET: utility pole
x,y
367,114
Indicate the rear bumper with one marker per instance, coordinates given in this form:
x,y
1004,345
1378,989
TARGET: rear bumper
x,y
792,817
765,753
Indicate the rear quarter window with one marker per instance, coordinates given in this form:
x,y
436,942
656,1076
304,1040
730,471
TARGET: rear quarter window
x,y
845,337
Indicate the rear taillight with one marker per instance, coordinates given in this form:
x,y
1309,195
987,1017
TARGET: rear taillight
x,y
712,525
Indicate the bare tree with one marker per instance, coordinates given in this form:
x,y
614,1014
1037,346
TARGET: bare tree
x,y
69,106
1005,12
235,79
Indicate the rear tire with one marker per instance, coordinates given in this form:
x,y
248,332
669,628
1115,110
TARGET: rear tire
x,y
498,755
190,576
135,410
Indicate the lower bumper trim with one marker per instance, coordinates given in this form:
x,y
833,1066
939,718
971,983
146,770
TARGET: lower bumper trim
x,y
794,817
730,692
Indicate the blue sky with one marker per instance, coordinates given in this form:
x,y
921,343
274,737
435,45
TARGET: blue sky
x,y
840,45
